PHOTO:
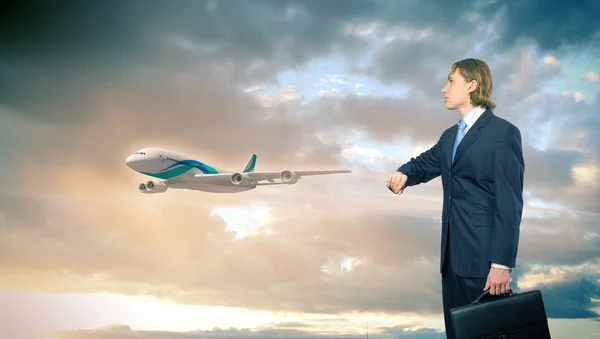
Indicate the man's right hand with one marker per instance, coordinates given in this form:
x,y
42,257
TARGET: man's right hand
x,y
396,181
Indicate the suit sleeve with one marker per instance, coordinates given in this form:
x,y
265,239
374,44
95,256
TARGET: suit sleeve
x,y
509,168
424,167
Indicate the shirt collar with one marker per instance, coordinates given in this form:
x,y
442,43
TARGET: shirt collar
x,y
473,116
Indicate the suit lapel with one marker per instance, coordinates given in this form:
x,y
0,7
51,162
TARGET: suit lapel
x,y
472,135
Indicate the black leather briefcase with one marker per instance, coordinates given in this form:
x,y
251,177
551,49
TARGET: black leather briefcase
x,y
510,316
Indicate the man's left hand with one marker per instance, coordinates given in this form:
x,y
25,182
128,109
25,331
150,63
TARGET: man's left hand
x,y
498,281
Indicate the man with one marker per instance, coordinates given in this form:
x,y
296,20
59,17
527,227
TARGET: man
x,y
481,164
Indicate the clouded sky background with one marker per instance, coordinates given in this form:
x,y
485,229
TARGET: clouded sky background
x,y
305,85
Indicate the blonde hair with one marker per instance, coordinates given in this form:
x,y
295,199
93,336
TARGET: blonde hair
x,y
475,69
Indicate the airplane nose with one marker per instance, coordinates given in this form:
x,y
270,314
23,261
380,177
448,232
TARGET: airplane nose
x,y
130,160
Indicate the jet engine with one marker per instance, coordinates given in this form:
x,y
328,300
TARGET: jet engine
x,y
239,179
152,187
289,177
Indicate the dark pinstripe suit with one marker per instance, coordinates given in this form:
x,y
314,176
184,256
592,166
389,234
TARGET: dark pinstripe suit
x,y
483,202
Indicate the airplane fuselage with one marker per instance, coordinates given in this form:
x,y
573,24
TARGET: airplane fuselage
x,y
178,171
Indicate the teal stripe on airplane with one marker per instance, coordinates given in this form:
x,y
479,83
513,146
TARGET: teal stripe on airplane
x,y
180,168
170,173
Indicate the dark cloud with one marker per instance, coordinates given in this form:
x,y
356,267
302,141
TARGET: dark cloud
x,y
573,299
550,169
54,62
420,63
296,26
556,23
569,291
546,240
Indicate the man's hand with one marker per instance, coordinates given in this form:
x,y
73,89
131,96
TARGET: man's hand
x,y
498,281
396,181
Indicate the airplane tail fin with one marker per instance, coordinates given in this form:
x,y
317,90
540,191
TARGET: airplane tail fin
x,y
251,164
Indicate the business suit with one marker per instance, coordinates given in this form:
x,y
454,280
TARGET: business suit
x,y
482,204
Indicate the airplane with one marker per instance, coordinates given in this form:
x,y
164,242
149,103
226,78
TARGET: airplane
x,y
177,171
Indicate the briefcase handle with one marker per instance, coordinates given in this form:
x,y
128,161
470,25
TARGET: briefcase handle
x,y
486,295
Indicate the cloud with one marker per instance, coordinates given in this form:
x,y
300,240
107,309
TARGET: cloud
x,y
592,76
574,297
556,24
552,165
128,247
295,331
136,115
142,37
545,240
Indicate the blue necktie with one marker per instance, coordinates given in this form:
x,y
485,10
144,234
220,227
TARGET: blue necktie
x,y
462,127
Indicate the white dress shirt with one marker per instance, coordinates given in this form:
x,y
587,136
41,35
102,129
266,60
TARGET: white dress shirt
x,y
470,121
473,116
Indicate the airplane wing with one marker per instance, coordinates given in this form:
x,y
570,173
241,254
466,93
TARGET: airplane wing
x,y
271,175
213,179
286,176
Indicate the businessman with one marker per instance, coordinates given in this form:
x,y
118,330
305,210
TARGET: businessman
x,y
480,160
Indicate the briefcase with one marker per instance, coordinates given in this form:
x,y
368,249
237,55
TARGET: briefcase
x,y
509,316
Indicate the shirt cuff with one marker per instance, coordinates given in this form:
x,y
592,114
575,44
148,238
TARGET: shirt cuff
x,y
500,266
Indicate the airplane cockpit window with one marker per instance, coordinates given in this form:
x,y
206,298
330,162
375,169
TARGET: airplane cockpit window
x,y
142,153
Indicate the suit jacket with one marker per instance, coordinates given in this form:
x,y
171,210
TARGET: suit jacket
x,y
483,193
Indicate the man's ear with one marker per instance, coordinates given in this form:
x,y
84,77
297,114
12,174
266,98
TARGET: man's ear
x,y
473,85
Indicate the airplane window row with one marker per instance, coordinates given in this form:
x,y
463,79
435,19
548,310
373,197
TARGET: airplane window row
x,y
143,153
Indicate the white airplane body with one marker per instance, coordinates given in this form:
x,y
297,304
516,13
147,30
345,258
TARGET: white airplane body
x,y
173,170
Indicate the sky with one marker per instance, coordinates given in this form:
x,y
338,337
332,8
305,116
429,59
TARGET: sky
x,y
304,85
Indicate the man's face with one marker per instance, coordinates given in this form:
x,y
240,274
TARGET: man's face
x,y
456,92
